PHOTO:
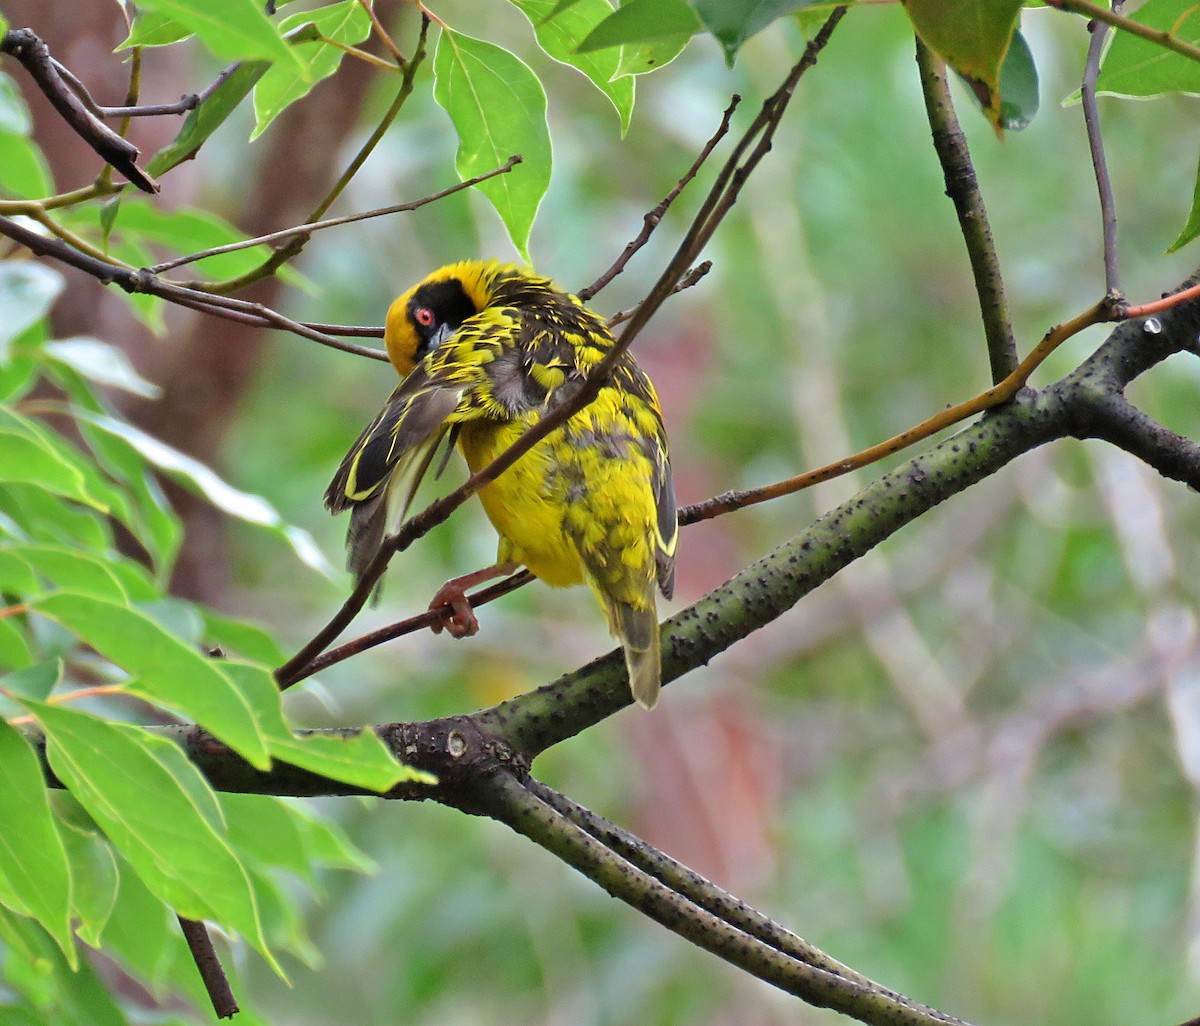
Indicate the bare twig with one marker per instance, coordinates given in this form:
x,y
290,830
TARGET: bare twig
x,y
962,186
398,630
994,396
216,983
309,227
686,282
34,55
387,40
719,202
142,281
651,220
1091,119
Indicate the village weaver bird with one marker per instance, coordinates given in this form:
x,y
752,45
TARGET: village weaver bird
x,y
485,350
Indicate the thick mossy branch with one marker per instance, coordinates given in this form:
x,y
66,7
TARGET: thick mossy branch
x,y
506,800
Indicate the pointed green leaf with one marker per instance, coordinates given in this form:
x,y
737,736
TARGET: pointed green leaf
x,y
242,638
559,32
154,28
651,54
168,671
972,36
1019,99
33,861
1141,67
34,682
102,363
94,880
355,757
205,119
232,30
346,22
24,173
253,509
498,108
158,811
15,652
640,20
732,22
26,291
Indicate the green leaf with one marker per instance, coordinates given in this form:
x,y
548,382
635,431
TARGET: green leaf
x,y
154,28
45,517
85,572
1140,67
732,22
972,36
346,22
559,32
498,108
1192,228
170,672
640,20
33,861
94,880
232,30
252,509
158,811
210,115
14,113
141,932
27,289
14,649
24,173
356,757
34,682
3,24
239,637
23,460
102,363
650,54
1019,100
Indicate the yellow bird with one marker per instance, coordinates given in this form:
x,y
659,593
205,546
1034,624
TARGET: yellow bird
x,y
485,350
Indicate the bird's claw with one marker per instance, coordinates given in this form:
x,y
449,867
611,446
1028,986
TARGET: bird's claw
x,y
455,612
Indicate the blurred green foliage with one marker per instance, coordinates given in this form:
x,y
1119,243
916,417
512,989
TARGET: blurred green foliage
x,y
966,767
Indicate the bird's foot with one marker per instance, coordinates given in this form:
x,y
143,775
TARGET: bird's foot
x,y
455,612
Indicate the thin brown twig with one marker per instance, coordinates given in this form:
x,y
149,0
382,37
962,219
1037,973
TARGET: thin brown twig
x,y
651,220
399,629
132,280
686,282
962,186
1091,120
383,34
720,200
309,227
1105,310
212,973
33,53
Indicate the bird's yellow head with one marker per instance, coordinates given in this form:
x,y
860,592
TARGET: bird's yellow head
x,y
432,310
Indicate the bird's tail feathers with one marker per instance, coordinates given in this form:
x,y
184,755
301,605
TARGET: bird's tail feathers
x,y
638,631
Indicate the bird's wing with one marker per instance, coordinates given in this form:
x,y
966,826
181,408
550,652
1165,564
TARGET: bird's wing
x,y
403,436
666,526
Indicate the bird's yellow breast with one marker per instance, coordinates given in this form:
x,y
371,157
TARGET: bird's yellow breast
x,y
525,504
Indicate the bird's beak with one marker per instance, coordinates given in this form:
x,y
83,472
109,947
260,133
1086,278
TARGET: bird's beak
x,y
444,332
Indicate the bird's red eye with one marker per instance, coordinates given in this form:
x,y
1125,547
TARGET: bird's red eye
x,y
423,316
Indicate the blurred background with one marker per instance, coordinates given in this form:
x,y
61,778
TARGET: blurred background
x,y
966,766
